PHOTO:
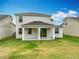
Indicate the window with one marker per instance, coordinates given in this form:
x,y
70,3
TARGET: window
x,y
20,19
56,30
29,31
51,19
10,23
20,30
65,23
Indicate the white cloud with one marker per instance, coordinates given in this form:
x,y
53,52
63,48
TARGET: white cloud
x,y
61,15
72,13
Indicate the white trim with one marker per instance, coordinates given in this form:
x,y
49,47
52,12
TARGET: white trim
x,y
23,34
53,29
61,32
38,33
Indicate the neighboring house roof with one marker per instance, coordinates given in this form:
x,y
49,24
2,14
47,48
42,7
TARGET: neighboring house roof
x,y
76,18
37,23
4,16
33,14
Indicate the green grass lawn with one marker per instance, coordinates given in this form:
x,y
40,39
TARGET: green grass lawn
x,y
66,48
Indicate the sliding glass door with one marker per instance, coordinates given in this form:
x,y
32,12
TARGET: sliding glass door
x,y
43,32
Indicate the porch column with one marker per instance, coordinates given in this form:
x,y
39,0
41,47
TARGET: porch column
x,y
53,29
38,33
23,34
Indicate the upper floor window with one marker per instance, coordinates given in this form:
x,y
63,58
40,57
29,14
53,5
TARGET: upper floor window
x,y
57,30
20,19
10,23
65,23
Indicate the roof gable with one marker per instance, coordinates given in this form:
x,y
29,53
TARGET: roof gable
x,y
37,23
76,18
4,16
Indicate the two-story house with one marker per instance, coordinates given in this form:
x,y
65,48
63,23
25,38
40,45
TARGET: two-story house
x,y
36,26
6,26
71,26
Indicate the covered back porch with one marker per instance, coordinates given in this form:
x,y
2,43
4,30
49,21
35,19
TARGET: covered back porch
x,y
38,32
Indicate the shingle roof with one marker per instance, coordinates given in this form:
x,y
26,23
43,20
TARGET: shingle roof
x,y
33,14
37,23
3,16
76,18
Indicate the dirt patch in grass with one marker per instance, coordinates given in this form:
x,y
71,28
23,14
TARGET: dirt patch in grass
x,y
5,52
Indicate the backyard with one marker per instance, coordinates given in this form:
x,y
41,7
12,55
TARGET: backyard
x,y
66,48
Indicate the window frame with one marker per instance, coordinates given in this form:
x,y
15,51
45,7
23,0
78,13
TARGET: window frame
x,y
29,31
20,30
57,30
43,32
20,19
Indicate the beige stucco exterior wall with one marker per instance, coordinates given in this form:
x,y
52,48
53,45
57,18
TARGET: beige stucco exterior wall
x,y
5,21
72,27
6,28
5,32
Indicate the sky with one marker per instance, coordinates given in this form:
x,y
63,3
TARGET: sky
x,y
58,9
